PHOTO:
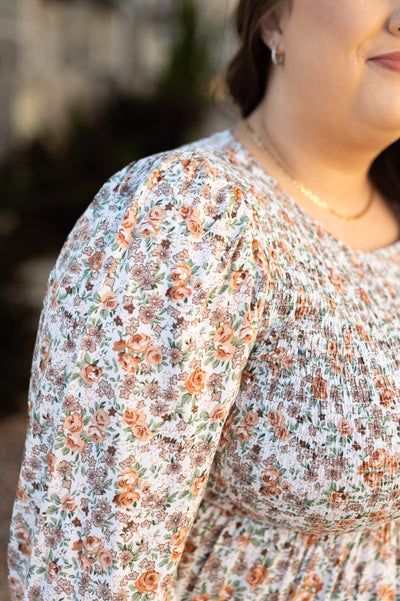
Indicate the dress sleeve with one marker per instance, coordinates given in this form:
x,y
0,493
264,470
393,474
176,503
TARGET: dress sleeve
x,y
175,320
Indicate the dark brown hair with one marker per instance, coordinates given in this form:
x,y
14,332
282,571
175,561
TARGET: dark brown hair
x,y
247,77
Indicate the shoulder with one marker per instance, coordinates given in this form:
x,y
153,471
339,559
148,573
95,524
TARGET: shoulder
x,y
201,182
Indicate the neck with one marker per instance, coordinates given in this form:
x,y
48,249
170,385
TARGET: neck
x,y
332,161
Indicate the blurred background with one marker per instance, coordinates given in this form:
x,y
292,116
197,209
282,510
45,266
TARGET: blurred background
x,y
86,86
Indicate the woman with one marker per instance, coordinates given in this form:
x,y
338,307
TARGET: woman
x,y
214,401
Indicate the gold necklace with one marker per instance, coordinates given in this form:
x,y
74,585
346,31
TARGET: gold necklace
x,y
308,193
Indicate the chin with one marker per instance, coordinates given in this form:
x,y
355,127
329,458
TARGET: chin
x,y
385,119
391,127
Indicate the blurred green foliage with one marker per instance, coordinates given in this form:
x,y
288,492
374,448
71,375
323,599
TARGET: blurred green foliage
x,y
46,190
190,61
100,3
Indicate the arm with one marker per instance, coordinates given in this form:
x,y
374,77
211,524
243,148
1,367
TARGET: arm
x,y
173,322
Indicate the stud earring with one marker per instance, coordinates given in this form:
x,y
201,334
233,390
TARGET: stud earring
x,y
277,58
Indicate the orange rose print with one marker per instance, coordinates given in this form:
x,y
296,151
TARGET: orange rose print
x,y
364,296
224,333
21,493
338,498
259,255
124,238
250,420
337,280
109,301
105,558
373,479
119,345
23,533
128,478
320,387
392,466
193,224
238,278
196,381
379,516
96,260
332,349
226,593
138,343
243,539
131,416
148,229
53,571
282,433
270,475
270,491
157,214
313,581
124,499
185,211
378,458
141,431
332,304
309,540
128,362
101,418
343,525
91,373
180,274
50,458
387,396
178,293
92,544
155,178
73,423
16,589
198,484
44,350
74,442
153,355
68,503
344,428
148,581
257,575
129,219
385,593
303,304
224,352
218,413
246,332
85,562
96,433
276,418
179,537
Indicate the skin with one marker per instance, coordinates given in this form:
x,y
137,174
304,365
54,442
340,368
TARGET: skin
x,y
329,111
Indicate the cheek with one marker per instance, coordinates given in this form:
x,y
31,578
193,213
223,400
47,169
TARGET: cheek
x,y
324,55
333,31
326,85
319,69
342,18
379,102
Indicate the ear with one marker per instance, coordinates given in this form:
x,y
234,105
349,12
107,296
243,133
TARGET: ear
x,y
271,27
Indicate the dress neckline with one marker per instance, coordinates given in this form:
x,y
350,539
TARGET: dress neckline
x,y
294,207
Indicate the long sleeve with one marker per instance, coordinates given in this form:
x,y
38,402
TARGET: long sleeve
x,y
150,316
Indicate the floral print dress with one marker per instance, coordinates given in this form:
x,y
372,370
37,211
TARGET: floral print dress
x,y
214,406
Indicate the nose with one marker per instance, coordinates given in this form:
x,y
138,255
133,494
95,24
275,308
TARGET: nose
x,y
394,23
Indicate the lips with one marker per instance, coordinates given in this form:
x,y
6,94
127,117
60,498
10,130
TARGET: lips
x,y
390,61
